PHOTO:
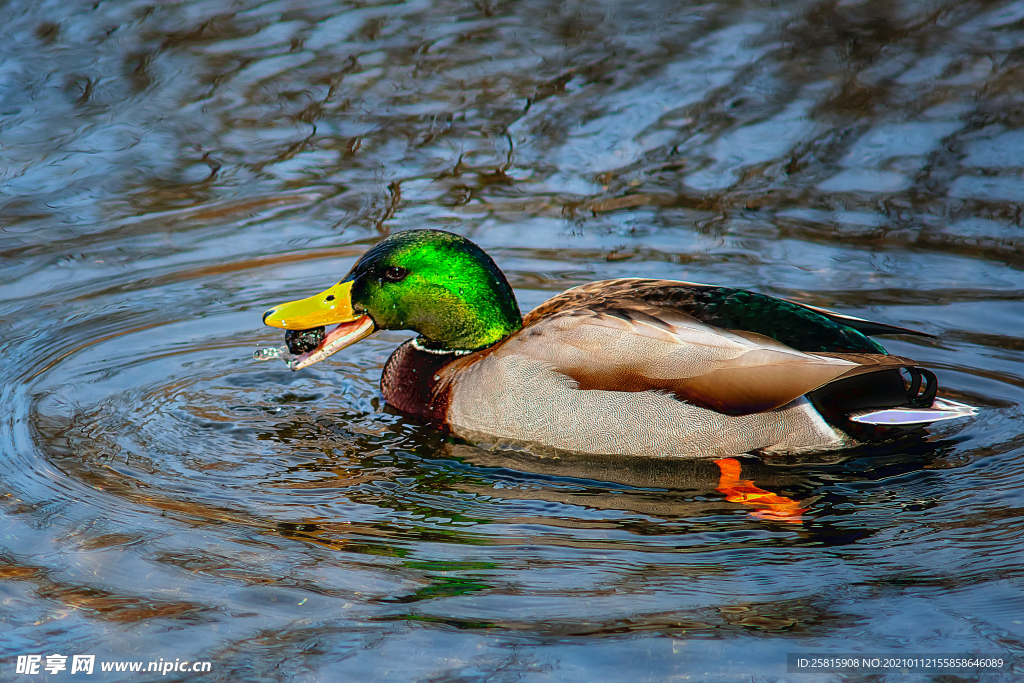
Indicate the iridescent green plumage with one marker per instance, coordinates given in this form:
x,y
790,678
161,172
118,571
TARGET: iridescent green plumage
x,y
449,290
790,323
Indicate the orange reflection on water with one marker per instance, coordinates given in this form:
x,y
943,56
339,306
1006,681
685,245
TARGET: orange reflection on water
x,y
769,505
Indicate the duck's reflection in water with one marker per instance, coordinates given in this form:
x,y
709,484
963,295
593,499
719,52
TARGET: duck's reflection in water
x,y
662,487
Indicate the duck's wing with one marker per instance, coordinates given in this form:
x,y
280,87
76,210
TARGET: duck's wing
x,y
800,326
865,327
606,337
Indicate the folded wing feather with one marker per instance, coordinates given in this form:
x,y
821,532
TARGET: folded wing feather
x,y
649,348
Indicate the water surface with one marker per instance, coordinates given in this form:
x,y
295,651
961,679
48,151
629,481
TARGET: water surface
x,y
169,170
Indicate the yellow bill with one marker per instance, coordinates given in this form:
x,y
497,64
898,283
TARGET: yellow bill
x,y
333,306
326,308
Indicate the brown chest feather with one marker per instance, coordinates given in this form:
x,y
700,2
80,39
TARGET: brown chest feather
x,y
411,381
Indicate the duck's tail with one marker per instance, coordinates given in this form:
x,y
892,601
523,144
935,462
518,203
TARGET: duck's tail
x,y
940,409
883,424
878,406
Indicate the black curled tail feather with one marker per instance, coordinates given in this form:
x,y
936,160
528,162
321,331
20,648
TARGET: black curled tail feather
x,y
917,397
874,390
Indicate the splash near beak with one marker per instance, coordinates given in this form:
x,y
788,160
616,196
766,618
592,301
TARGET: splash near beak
x,y
326,308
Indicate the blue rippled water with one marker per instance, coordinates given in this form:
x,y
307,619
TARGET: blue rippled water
x,y
168,170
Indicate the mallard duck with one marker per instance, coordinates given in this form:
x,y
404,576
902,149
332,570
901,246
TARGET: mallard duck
x,y
626,366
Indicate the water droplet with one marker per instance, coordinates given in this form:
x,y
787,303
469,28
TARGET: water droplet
x,y
274,353
266,354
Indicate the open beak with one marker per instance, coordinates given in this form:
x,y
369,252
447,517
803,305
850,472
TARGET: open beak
x,y
326,308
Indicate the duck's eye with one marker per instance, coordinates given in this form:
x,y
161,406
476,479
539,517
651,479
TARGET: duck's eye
x,y
395,273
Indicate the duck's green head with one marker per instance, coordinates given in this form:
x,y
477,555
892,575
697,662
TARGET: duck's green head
x,y
432,282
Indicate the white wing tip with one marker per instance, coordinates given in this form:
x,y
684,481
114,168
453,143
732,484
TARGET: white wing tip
x,y
941,409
